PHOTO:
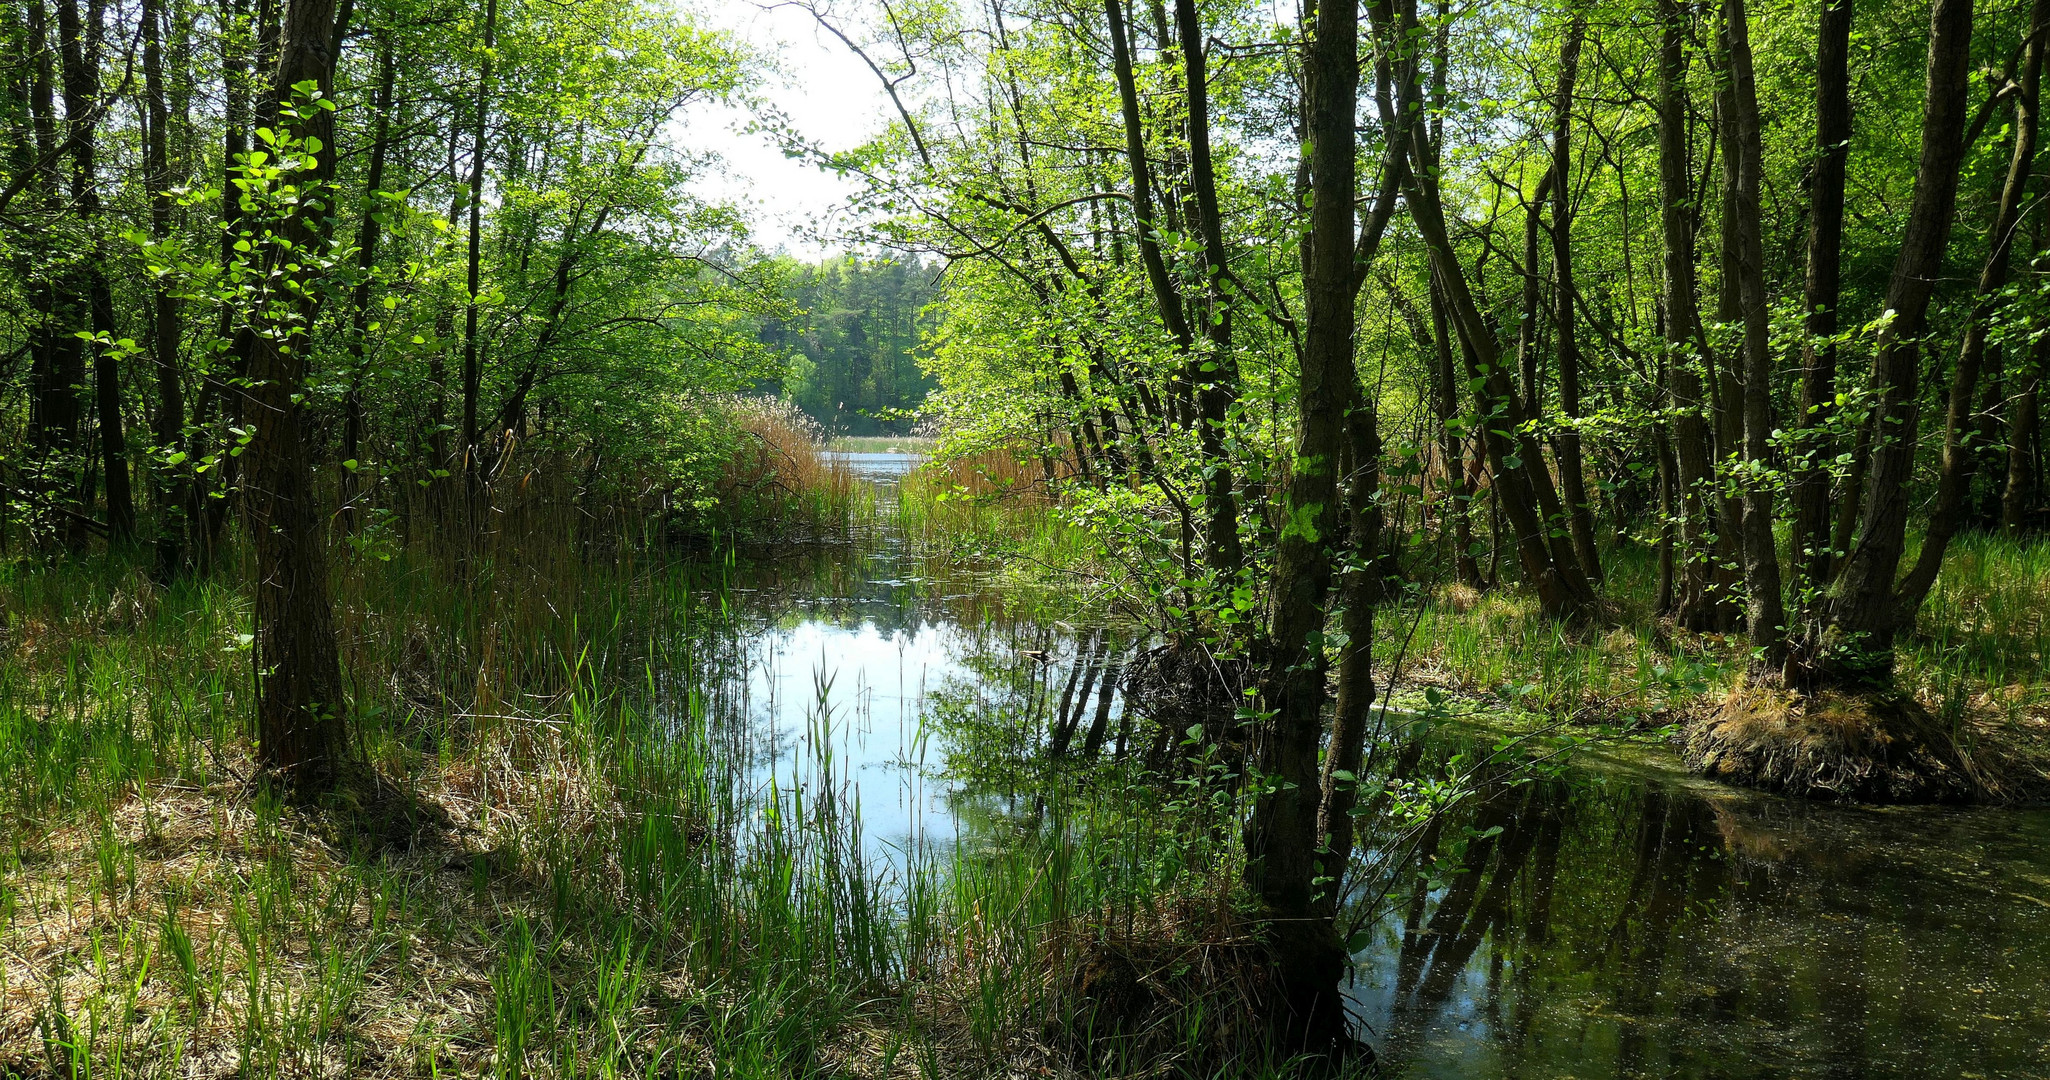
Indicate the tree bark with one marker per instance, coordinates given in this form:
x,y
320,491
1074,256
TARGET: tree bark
x,y
1222,551
1529,364
80,48
1215,373
300,707
1766,616
1566,445
1954,480
1702,606
472,373
1854,642
58,367
1452,445
1359,588
173,491
1281,837
1821,291
368,231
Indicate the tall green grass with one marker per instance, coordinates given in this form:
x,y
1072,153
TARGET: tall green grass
x,y
563,864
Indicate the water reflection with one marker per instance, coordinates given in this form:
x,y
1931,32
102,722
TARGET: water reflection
x,y
1611,922
904,686
1610,925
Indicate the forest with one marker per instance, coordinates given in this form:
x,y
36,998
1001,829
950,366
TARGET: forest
x,y
1347,537
852,342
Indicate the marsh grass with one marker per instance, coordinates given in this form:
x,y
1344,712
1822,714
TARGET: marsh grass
x,y
557,857
882,444
780,473
1001,505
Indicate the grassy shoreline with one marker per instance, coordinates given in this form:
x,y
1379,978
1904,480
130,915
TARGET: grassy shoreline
x,y
553,863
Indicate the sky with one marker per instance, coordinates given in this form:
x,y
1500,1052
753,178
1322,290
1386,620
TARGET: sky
x,y
829,96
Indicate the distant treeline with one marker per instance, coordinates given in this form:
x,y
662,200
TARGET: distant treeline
x,y
851,336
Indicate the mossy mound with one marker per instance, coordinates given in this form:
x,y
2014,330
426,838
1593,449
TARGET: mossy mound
x,y
1867,747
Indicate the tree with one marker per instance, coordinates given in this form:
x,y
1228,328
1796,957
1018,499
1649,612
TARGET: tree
x,y
300,705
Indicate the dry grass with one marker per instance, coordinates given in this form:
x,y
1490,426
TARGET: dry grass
x,y
1875,747
780,469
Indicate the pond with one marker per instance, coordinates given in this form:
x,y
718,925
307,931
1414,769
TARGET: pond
x,y
1617,918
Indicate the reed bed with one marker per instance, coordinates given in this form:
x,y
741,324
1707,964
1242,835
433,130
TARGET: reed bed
x,y
779,471
1000,504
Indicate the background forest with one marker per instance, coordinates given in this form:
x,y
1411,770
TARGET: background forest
x,y
853,345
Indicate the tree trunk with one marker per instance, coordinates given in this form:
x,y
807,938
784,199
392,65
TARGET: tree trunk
x,y
472,373
300,722
1566,445
1766,616
368,232
1702,606
1528,362
174,491
1359,588
1281,837
1215,372
80,48
1854,643
1821,291
1452,446
2021,431
55,415
238,80
1960,424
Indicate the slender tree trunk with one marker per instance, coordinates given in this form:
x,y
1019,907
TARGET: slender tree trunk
x,y
1821,292
1854,643
1215,372
1281,839
300,720
1567,445
472,373
1725,368
239,89
1452,446
1953,485
1766,615
59,365
81,49
1359,588
1702,607
1529,357
2021,432
368,232
173,491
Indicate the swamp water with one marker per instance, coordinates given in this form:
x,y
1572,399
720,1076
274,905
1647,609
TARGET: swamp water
x,y
1616,918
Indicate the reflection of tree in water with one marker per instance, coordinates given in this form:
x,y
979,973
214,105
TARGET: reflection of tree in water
x,y
1044,702
1604,924
1573,893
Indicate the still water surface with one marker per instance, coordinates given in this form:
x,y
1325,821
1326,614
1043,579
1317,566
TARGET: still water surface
x,y
1621,920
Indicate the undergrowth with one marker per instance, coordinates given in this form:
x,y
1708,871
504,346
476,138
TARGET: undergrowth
x,y
560,856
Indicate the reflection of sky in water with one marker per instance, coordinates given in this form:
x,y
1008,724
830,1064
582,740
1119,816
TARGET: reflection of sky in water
x,y
876,466
874,642
875,685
